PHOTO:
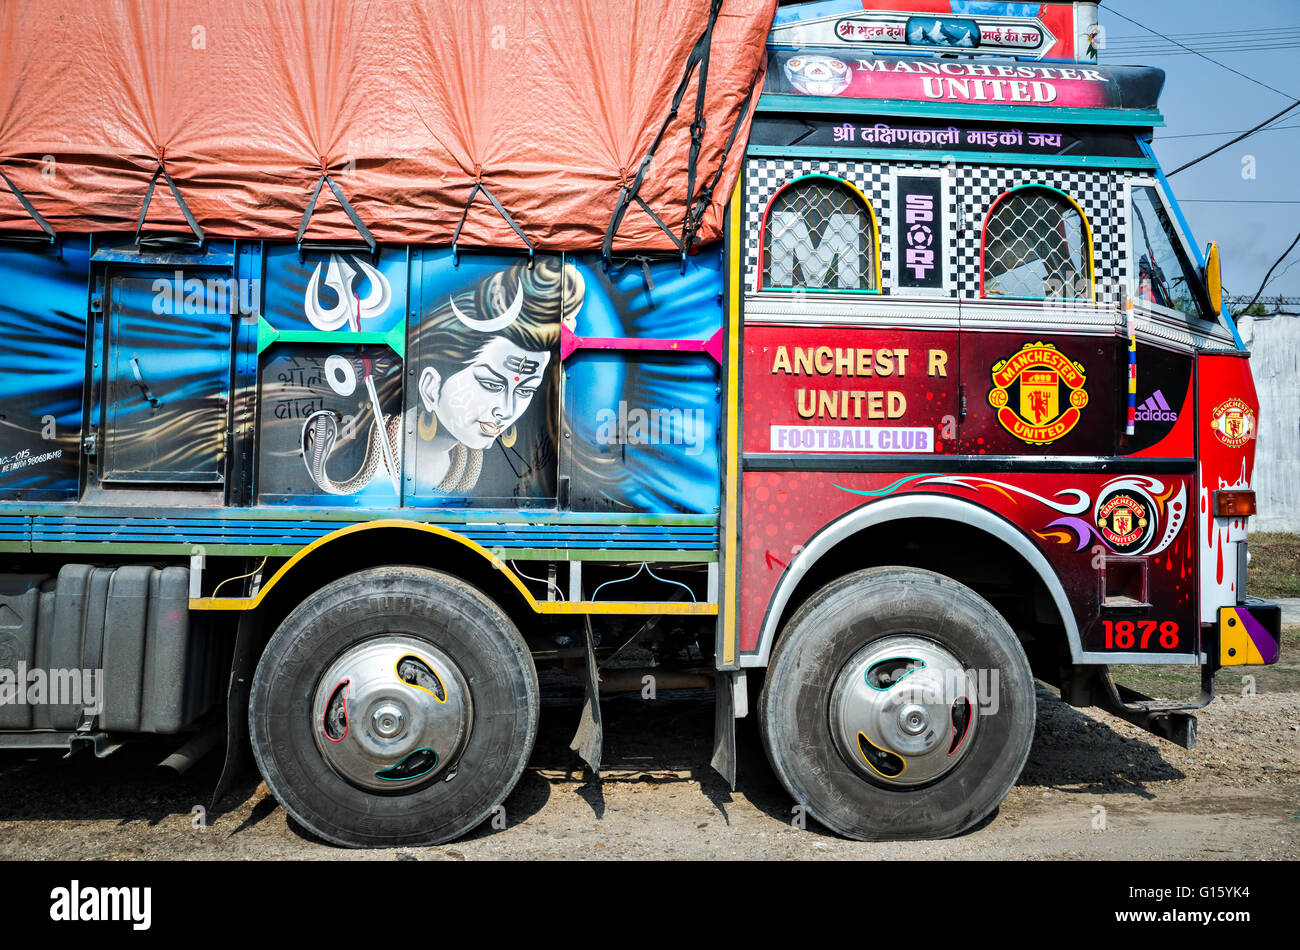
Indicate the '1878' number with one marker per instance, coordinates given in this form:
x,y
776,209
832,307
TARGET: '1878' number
x,y
1128,634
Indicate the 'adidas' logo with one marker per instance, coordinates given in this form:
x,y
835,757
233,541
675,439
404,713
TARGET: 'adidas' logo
x,y
1155,409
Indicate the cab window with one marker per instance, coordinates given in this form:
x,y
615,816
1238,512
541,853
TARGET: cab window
x,y
820,235
1162,272
1037,245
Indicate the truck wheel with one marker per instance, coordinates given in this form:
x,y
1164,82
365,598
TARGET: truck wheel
x,y
898,705
395,706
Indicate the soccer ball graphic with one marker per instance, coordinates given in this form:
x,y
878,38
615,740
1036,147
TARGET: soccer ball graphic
x,y
818,75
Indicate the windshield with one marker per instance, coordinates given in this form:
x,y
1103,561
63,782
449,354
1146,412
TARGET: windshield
x,y
1165,276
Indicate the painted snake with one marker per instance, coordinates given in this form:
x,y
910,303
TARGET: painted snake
x,y
320,434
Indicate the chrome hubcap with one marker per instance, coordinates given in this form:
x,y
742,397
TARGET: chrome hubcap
x,y
391,713
903,710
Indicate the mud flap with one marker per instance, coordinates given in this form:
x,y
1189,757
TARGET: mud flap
x,y
238,753
589,738
724,729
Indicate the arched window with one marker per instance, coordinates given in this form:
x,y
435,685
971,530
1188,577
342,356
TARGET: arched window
x,y
820,234
1037,244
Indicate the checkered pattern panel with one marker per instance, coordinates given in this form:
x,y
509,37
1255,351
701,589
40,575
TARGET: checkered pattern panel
x,y
764,178
1120,236
1100,193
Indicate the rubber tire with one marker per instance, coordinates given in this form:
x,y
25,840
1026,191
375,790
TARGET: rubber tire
x,y
794,706
421,603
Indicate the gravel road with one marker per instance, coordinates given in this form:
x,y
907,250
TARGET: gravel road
x,y
1094,787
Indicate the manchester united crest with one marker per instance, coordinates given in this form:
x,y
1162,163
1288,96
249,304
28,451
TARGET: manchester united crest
x,y
1038,393
1126,520
1233,422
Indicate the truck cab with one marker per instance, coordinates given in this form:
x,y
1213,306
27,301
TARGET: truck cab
x,y
981,346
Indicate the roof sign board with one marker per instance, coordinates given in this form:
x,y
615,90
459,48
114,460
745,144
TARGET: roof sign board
x,y
1061,31
830,73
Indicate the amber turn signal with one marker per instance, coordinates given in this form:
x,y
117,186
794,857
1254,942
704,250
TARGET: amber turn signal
x,y
1234,504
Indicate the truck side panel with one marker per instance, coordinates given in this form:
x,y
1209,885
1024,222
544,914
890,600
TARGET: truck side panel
x,y
42,368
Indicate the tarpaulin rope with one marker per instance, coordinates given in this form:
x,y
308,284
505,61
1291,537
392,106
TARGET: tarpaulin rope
x,y
479,186
695,216
27,206
643,261
148,197
698,125
347,207
630,193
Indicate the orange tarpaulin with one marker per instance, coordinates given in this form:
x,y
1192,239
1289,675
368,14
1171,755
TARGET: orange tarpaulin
x,y
550,105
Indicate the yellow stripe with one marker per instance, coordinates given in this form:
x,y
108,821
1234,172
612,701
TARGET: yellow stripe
x,y
541,607
623,607
875,226
1087,230
663,607
728,588
249,603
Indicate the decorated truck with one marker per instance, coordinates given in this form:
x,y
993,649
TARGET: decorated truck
x,y
850,357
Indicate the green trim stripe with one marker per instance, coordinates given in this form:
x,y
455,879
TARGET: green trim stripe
x,y
394,339
934,157
448,518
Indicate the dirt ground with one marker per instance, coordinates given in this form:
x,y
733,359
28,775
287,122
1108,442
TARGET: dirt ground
x,y
1094,787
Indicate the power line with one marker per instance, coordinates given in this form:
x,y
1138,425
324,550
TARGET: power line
x,y
1200,135
1276,36
1243,135
1204,41
1269,275
1239,41
1245,44
1237,201
1266,30
1202,55
1221,40
1213,49
1283,272
1163,49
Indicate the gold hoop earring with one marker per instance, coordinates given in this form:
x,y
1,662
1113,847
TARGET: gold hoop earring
x,y
509,436
429,431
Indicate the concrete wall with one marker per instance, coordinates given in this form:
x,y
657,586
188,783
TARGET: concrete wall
x,y
1274,343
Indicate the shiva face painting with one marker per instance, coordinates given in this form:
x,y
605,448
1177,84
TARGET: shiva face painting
x,y
485,356
481,402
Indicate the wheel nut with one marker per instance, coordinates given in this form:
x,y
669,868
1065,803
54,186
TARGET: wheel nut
x,y
913,720
388,720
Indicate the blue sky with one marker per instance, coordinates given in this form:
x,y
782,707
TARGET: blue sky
x,y
1201,97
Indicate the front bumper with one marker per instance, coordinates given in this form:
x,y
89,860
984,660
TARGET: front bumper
x,y
1250,634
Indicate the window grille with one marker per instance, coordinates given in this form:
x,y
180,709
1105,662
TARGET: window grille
x,y
1036,245
819,236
